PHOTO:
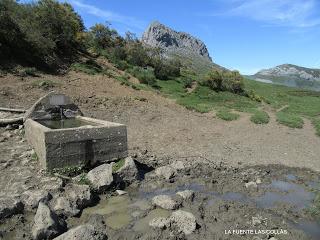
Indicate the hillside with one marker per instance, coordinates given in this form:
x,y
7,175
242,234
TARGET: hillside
x,y
291,75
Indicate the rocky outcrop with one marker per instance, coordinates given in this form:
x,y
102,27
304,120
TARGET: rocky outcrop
x,y
160,36
128,173
10,207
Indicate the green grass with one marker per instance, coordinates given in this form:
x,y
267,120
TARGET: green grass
x,y
43,84
260,117
316,124
227,116
89,67
290,120
117,165
83,180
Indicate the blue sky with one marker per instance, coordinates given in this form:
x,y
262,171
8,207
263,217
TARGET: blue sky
x,y
246,35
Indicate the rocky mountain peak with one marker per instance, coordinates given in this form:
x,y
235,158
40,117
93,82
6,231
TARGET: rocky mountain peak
x,y
171,41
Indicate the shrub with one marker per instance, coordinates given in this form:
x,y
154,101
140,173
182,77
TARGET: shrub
x,y
227,116
144,75
289,120
165,69
224,81
260,117
44,84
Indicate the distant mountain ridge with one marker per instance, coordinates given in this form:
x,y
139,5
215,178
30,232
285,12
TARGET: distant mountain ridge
x,y
290,75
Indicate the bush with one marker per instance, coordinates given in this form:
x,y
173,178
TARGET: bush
x,y
166,69
224,81
260,117
227,116
316,124
289,120
41,34
144,75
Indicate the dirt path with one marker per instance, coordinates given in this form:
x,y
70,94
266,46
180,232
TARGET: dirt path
x,y
167,129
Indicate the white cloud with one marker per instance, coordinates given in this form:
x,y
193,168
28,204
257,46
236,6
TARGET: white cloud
x,y
109,15
294,13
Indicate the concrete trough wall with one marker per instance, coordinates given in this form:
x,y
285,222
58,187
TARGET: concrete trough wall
x,y
58,148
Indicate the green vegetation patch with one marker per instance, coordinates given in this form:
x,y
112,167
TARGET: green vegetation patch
x,y
260,117
69,171
43,84
89,67
290,120
117,165
227,116
83,180
316,124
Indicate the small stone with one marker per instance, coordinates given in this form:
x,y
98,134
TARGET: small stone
x,y
258,181
120,192
166,172
47,225
101,177
166,202
186,194
184,221
159,222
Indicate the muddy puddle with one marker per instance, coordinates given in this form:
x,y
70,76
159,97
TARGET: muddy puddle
x,y
134,211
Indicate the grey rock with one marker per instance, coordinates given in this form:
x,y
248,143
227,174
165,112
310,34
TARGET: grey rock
x,y
31,198
160,36
166,172
178,165
128,173
10,207
159,222
186,195
47,224
166,202
64,206
82,232
101,177
183,221
79,194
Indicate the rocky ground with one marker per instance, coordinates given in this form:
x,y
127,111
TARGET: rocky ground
x,y
190,175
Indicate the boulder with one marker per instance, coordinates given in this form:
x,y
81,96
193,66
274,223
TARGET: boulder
x,y
63,206
47,224
186,195
82,232
166,202
101,177
80,195
159,222
183,221
10,207
31,198
128,173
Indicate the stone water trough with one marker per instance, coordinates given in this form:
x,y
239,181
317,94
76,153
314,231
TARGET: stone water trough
x,y
62,137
